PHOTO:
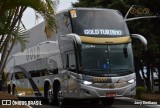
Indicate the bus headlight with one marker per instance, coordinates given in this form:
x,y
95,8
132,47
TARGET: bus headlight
x,y
87,82
131,81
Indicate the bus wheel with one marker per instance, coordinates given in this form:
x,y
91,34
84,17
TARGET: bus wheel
x,y
14,91
9,89
60,97
46,90
107,101
50,96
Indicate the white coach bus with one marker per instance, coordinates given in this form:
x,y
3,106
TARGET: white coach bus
x,y
90,58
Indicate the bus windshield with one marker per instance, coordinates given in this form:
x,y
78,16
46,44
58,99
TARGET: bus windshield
x,y
107,60
98,22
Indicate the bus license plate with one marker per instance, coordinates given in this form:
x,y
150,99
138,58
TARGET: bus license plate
x,y
111,94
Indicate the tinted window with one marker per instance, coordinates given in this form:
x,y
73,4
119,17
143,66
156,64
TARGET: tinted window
x,y
20,75
43,67
35,73
98,23
71,61
63,23
107,60
121,57
52,66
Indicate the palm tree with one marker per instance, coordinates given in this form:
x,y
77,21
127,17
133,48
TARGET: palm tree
x,y
11,12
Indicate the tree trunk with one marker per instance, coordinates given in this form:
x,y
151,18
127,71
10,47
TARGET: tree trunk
x,y
148,81
7,54
159,77
152,79
137,70
3,58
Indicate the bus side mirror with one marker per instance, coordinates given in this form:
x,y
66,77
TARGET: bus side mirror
x,y
142,39
77,40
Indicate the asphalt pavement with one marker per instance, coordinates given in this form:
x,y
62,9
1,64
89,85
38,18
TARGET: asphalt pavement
x,y
119,103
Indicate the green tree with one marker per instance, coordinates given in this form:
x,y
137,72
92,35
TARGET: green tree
x,y
146,27
11,12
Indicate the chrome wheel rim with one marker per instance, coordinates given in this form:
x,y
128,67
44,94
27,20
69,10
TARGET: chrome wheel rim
x,y
49,96
60,98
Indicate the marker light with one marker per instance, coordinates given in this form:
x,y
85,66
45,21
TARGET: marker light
x,y
131,81
87,82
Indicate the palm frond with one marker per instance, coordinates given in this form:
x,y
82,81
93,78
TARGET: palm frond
x,y
19,35
45,8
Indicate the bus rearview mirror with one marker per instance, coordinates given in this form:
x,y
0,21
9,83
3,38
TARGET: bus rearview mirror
x,y
142,39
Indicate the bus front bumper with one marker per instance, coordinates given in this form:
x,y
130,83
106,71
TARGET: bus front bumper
x,y
88,91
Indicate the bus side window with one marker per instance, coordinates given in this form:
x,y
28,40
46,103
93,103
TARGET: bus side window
x,y
45,72
51,66
20,75
55,67
16,76
34,73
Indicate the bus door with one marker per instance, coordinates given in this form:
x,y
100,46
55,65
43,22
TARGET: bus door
x,y
69,58
72,72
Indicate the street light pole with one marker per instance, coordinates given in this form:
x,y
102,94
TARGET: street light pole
x,y
136,18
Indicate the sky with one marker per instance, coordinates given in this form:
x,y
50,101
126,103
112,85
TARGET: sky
x,y
29,15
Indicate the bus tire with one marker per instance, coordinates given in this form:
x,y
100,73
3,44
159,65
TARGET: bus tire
x,y
14,91
107,101
60,97
56,86
50,96
9,89
46,90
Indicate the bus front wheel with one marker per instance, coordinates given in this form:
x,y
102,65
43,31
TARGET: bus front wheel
x,y
107,101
